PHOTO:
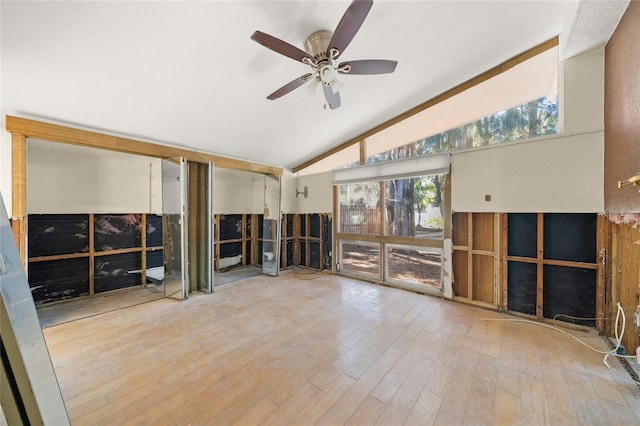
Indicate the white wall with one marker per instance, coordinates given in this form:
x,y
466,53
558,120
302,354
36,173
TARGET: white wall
x,y
561,174
237,192
289,203
68,179
582,93
320,193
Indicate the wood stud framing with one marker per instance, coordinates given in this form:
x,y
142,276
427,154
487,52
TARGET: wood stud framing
x,y
92,253
299,240
540,266
19,192
252,254
477,239
540,262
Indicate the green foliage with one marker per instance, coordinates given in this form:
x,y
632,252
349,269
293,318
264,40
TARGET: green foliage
x,y
535,118
435,222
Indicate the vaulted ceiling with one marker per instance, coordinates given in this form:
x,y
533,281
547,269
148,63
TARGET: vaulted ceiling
x,y
187,73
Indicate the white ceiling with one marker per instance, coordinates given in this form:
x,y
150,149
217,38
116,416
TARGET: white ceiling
x,y
187,73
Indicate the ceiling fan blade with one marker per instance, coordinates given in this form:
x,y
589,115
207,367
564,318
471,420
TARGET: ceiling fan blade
x,y
369,66
350,24
289,87
333,99
279,46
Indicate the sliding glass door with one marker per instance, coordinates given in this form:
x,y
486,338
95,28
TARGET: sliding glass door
x,y
174,216
271,226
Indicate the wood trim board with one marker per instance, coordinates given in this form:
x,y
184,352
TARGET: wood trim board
x,y
28,128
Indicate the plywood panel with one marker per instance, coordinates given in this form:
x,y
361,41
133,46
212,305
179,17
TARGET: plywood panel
x,y
460,229
483,278
621,106
483,231
460,274
627,267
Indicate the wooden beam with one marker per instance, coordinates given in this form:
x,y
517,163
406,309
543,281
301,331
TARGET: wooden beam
x,y
91,254
615,270
496,260
497,70
335,224
601,245
540,268
143,243
19,228
470,256
363,152
69,135
19,193
504,253
18,175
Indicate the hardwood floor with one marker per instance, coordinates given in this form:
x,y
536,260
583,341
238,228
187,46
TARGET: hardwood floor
x,y
329,351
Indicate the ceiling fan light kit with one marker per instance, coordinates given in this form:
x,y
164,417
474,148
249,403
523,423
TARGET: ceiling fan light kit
x,y
323,50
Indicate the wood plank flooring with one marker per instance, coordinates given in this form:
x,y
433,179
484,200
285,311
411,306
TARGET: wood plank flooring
x,y
329,351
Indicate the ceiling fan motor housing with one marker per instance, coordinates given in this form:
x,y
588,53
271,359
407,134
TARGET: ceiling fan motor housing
x,y
318,43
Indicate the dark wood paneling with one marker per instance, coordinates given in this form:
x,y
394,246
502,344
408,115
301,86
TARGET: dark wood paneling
x,y
460,274
460,229
621,106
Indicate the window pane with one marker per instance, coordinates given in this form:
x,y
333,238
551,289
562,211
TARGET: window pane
x,y
528,120
414,206
419,265
360,257
360,208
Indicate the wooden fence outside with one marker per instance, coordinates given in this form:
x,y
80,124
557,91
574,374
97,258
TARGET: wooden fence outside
x,y
360,220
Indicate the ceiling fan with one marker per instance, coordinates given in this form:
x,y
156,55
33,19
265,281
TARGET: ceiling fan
x,y
325,48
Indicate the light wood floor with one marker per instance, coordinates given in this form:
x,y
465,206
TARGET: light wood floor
x,y
329,351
